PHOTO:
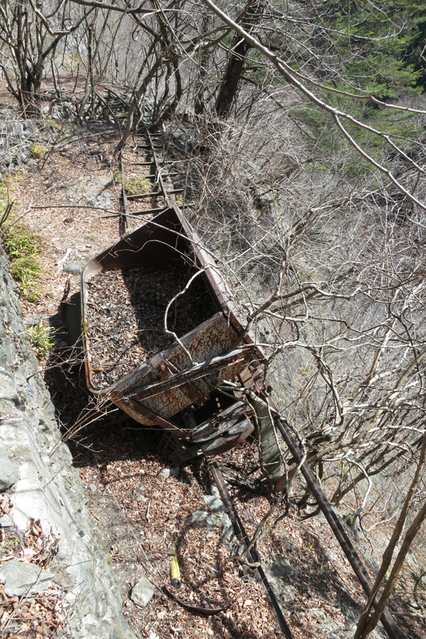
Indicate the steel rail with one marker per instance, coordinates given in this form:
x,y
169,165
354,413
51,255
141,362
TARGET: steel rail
x,y
243,539
335,524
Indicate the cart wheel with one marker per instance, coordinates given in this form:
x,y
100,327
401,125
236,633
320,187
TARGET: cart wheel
x,y
227,441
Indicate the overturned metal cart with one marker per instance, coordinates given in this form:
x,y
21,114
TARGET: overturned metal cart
x,y
187,355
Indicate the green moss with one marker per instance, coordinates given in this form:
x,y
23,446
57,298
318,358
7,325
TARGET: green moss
x,y
136,184
27,271
22,245
7,193
20,242
38,150
23,248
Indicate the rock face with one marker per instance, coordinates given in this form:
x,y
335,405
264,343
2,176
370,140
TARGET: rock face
x,y
8,472
48,488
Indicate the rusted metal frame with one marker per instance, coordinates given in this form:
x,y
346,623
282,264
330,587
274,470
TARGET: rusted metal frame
x,y
216,445
123,193
152,175
139,136
122,101
246,378
228,440
194,393
208,264
156,209
203,261
145,147
162,193
341,536
157,168
203,258
226,420
160,421
174,226
109,108
243,539
163,232
197,371
223,430
139,196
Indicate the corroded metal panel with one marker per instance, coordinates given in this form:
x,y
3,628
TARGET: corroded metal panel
x,y
205,343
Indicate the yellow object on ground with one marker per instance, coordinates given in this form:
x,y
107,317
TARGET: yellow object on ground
x,y
175,570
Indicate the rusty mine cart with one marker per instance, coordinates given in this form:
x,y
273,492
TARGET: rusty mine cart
x,y
178,358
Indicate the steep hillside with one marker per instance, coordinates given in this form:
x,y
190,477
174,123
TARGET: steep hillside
x,y
68,195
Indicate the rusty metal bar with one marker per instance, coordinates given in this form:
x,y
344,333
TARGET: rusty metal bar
x,y
123,193
161,421
341,536
157,164
138,196
222,423
228,440
153,193
194,393
156,209
243,539
197,371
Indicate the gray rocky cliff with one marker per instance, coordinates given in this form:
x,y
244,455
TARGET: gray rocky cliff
x,y
48,488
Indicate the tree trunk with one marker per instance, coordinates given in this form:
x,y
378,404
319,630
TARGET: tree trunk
x,y
199,104
236,63
368,621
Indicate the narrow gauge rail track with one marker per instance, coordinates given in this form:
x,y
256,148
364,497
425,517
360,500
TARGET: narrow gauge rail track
x,y
155,170
243,539
152,166
151,161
